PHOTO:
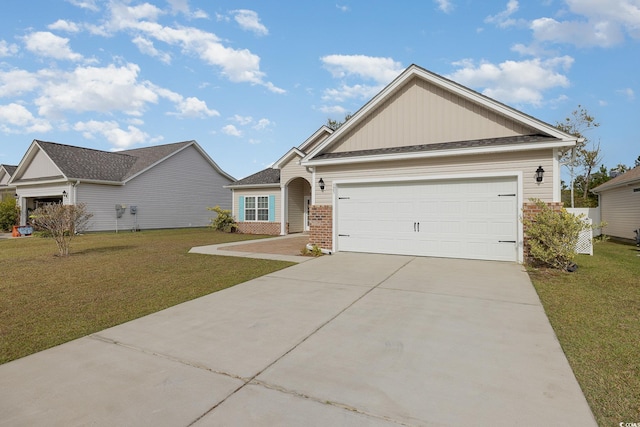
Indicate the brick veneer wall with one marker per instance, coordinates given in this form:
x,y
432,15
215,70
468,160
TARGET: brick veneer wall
x,y
270,228
321,226
529,210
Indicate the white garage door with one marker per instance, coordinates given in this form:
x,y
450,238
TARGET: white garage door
x,y
474,219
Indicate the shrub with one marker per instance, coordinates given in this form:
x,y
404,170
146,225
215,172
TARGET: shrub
x,y
224,221
552,236
63,222
9,213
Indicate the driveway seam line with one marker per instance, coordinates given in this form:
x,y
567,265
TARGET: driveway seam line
x,y
300,343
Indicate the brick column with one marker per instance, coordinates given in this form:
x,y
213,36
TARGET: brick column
x,y
321,226
529,210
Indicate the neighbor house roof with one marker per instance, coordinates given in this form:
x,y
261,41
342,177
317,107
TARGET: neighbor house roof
x,y
630,177
11,169
265,178
86,164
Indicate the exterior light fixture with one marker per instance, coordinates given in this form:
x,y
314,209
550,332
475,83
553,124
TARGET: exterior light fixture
x,y
64,194
16,196
321,183
539,174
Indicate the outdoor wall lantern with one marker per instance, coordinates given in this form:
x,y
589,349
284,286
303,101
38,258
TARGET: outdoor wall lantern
x,y
539,174
16,196
64,193
321,183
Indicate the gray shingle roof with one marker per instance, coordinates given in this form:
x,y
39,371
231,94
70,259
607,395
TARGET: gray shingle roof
x,y
264,177
89,164
629,177
10,169
491,142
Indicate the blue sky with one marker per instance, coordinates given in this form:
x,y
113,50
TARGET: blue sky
x,y
250,79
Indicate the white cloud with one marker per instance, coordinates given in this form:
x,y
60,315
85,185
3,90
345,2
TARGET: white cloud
x,y
44,43
262,124
95,89
85,4
231,130
381,70
628,93
345,92
110,130
249,21
503,19
15,118
146,46
333,109
600,23
514,82
62,25
237,65
242,120
194,108
342,8
444,5
7,49
17,82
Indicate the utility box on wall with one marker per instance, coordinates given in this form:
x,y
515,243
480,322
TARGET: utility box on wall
x,y
133,210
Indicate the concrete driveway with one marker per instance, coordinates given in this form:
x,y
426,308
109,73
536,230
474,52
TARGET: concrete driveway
x,y
348,339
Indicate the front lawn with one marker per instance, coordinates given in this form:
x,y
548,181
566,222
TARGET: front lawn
x,y
109,279
595,313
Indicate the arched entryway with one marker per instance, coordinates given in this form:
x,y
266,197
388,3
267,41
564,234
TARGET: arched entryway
x,y
298,192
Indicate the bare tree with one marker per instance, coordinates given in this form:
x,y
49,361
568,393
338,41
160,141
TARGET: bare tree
x,y
583,155
62,221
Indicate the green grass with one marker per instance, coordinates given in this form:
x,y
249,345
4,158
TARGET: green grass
x,y
46,300
595,313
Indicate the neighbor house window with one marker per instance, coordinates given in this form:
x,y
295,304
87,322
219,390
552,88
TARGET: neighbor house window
x,y
256,208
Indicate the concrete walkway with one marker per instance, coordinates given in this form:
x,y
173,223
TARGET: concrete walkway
x,y
348,339
281,248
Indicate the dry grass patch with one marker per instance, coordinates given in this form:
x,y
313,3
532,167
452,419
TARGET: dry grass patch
x,y
595,313
109,279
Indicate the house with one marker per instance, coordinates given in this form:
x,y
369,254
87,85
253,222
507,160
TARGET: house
x,y
163,186
619,201
6,172
427,167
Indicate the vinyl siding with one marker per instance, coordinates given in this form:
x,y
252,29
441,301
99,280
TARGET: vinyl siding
x,y
40,166
274,191
527,163
422,113
172,194
292,170
620,209
296,191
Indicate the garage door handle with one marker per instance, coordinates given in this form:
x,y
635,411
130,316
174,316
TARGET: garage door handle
x,y
506,241
414,227
418,227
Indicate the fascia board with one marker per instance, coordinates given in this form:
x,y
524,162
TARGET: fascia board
x,y
622,184
433,154
286,157
316,134
250,186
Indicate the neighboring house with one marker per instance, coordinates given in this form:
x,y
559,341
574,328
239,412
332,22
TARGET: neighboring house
x,y
619,201
164,186
6,172
427,167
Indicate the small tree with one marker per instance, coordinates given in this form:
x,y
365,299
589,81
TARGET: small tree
x,y
224,221
9,213
62,222
552,236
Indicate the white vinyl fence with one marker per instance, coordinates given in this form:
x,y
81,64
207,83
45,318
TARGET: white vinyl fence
x,y
585,241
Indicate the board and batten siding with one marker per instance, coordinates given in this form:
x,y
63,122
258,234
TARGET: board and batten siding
x,y
423,113
270,191
173,194
297,189
292,169
620,209
436,167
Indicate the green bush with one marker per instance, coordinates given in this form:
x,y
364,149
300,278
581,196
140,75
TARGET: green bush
x,y
224,221
9,213
552,236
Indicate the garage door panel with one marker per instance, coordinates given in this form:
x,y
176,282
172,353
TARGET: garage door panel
x,y
454,218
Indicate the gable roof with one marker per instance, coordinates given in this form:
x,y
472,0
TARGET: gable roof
x,y
86,164
630,177
554,138
11,169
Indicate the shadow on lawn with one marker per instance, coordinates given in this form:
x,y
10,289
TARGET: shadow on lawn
x,y
102,250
